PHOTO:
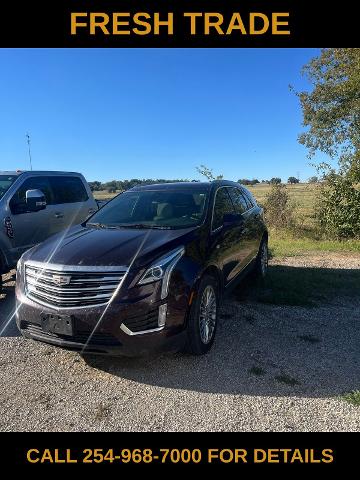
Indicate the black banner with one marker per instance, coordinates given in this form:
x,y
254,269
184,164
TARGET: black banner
x,y
119,452
181,23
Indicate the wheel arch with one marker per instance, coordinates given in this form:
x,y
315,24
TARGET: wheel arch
x,y
214,272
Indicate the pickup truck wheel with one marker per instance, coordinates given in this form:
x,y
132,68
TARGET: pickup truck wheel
x,y
262,259
203,317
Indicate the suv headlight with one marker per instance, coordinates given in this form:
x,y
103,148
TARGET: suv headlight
x,y
162,269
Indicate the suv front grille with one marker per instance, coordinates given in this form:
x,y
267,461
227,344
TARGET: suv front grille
x,y
71,288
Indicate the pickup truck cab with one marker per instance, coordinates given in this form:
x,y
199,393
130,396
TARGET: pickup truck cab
x,y
35,205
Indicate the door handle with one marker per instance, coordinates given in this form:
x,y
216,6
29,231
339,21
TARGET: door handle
x,y
91,211
59,215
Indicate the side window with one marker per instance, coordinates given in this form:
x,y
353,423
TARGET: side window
x,y
68,190
239,200
18,201
249,199
222,205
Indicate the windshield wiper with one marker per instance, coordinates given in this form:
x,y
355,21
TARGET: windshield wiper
x,y
130,225
99,225
144,225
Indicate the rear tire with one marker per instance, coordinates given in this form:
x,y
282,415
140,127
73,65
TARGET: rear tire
x,y
262,259
203,317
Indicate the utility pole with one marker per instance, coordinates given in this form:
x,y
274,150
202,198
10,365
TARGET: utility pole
x,y
29,150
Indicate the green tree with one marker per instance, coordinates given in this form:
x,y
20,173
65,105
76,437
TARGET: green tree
x,y
313,179
331,110
112,186
293,180
95,186
275,180
208,173
331,114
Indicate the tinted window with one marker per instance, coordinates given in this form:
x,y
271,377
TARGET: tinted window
x,y
239,200
68,190
18,201
5,183
222,205
154,209
249,198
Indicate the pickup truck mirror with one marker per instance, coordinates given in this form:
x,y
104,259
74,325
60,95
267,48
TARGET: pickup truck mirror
x,y
232,219
35,200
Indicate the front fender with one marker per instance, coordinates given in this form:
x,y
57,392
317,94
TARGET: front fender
x,y
185,281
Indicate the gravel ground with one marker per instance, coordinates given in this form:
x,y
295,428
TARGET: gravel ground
x,y
272,368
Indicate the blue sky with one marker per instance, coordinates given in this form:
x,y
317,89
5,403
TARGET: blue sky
x,y
152,113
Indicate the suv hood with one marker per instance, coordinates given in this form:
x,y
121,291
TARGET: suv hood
x,y
87,246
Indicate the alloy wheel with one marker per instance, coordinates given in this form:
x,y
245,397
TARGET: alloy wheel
x,y
207,316
264,259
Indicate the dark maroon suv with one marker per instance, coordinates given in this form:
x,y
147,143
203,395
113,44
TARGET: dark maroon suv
x,y
144,273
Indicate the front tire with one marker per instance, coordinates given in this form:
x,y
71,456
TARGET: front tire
x,y
262,259
203,317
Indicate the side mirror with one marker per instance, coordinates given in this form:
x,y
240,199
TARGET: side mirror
x,y
35,200
232,219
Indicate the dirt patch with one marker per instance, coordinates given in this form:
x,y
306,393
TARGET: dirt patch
x,y
273,367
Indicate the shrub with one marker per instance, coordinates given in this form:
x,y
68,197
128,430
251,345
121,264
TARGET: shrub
x,y
337,209
279,209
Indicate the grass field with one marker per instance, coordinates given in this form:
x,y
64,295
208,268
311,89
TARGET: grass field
x,y
303,194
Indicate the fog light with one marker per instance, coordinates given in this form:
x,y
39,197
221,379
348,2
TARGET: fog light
x,y
162,315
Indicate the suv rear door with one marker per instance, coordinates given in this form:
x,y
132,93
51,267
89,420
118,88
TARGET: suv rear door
x,y
226,242
249,238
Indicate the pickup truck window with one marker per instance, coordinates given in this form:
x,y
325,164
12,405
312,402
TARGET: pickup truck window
x,y
68,190
5,183
18,201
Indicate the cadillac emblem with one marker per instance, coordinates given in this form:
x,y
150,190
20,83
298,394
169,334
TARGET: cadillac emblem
x,y
61,280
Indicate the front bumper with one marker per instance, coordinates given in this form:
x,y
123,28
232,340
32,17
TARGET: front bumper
x,y
100,330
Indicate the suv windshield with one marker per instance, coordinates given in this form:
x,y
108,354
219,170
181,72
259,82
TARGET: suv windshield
x,y
153,209
5,183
